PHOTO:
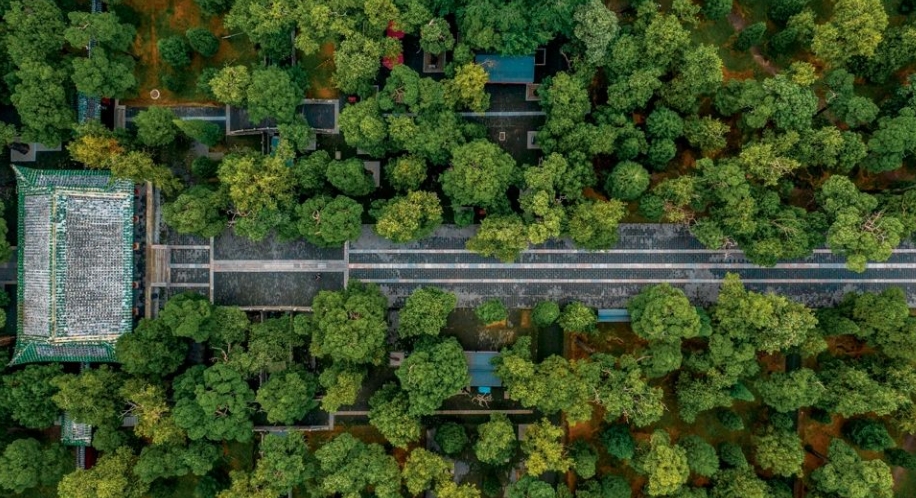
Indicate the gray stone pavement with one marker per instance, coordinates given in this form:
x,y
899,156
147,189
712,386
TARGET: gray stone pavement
x,y
272,274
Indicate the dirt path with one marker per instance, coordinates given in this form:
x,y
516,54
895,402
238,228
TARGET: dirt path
x,y
736,18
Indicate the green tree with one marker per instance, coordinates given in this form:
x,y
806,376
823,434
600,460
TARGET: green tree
x,y
892,142
214,403
273,94
436,36
138,167
357,60
789,391
230,85
27,394
349,466
662,312
496,440
90,397
350,324
197,210
425,312
36,29
202,41
167,461
618,441
856,29
155,422
111,477
406,173
751,36
451,438
739,482
848,476
424,470
466,89
593,225
701,456
781,452
205,132
595,27
409,217
351,177
284,462
545,313
389,413
479,175
503,237
41,100
585,459
342,386
151,350
104,75
24,464
434,371
665,464
544,449
577,317
257,182
628,181
174,51
716,9
868,434
156,126
288,396
491,311
330,222
363,127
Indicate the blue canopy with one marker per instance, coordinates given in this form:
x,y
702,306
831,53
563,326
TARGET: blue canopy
x,y
480,368
508,69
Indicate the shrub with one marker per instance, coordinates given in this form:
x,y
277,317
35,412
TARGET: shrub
x,y
751,36
730,420
868,434
174,51
451,438
491,311
731,455
203,81
716,9
782,421
545,313
618,441
900,458
203,167
585,459
202,41
577,317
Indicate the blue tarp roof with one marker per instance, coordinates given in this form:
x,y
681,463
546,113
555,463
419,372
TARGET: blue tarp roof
x,y
508,69
481,369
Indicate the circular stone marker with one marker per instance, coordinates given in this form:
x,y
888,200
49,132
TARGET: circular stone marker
x,y
154,94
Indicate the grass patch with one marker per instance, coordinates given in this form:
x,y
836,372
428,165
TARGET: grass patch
x,y
157,19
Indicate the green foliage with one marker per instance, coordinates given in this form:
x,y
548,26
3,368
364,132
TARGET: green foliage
x,y
701,456
732,455
716,9
577,317
628,181
786,392
214,403
664,464
104,75
288,396
433,372
257,182
618,441
451,438
155,126
111,477
496,440
350,324
330,222
491,311
585,459
204,168
436,36
174,51
24,464
503,237
167,461
230,85
41,100
662,312
854,30
544,450
342,385
273,94
27,394
595,28
466,89
730,420
424,469
202,41
36,30
848,476
357,60
868,434
530,487
750,36
479,175
205,132
350,466
897,457
90,397
406,173
351,177
409,217
363,127
425,312
284,462
739,482
154,415
780,452
593,225
197,210
151,350
545,313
